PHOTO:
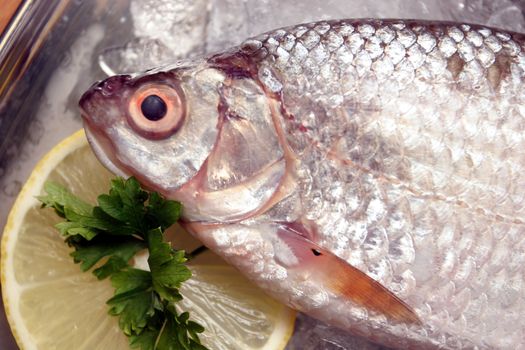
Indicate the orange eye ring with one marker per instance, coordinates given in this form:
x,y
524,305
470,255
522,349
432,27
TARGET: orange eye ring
x,y
165,126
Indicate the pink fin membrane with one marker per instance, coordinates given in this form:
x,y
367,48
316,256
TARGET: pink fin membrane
x,y
341,277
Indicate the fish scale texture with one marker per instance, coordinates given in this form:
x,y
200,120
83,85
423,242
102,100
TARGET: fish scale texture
x,y
411,147
396,146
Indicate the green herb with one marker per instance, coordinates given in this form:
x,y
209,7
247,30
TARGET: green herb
x,y
126,221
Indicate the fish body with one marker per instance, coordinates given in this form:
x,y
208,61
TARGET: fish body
x,y
369,173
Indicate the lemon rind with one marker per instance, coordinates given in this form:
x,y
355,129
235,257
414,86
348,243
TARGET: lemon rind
x,y
25,200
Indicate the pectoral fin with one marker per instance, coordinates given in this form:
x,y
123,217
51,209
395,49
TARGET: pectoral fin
x,y
344,279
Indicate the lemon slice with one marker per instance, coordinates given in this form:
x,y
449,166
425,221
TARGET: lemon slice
x,y
51,304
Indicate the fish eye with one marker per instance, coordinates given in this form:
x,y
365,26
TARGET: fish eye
x,y
153,107
156,110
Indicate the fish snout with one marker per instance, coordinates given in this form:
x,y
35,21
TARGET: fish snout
x,y
98,94
109,87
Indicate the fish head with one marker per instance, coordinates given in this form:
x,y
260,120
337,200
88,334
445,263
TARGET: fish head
x,y
194,133
158,126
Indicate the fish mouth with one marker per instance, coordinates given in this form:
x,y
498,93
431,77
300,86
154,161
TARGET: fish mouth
x,y
99,147
89,110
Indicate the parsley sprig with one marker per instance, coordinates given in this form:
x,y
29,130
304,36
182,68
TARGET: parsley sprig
x,y
126,221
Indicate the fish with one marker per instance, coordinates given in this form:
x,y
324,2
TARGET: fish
x,y
369,173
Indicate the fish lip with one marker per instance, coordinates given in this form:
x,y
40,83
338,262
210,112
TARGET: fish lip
x,y
101,153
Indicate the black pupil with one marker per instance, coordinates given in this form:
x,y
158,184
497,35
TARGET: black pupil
x,y
153,108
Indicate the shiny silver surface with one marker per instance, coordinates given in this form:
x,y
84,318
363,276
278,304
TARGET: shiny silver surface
x,y
394,147
410,133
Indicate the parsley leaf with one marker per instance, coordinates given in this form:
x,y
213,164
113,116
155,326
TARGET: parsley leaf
x,y
167,266
146,340
169,330
69,228
165,213
134,300
125,203
119,251
179,332
106,237
59,198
